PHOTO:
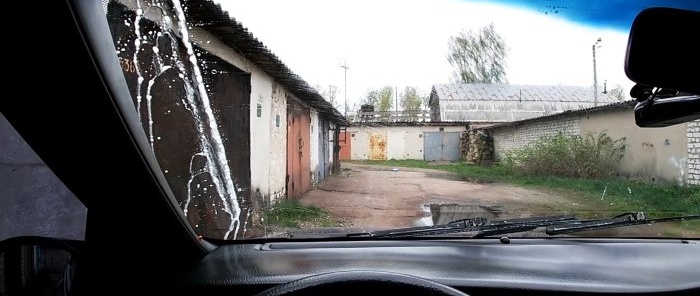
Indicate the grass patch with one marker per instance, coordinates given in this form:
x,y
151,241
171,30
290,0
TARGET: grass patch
x,y
292,214
605,195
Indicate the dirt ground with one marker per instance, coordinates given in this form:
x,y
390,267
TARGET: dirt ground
x,y
369,197
376,197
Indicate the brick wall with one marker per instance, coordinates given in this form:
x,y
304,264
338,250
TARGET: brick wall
x,y
693,134
518,136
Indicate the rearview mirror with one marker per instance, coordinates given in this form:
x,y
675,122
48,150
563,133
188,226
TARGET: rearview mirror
x,y
662,58
662,49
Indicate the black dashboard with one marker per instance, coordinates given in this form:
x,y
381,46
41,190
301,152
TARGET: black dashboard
x,y
476,267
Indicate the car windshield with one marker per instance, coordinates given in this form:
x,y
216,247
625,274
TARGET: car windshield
x,y
283,119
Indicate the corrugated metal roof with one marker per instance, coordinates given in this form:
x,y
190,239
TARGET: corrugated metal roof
x,y
507,102
619,106
210,17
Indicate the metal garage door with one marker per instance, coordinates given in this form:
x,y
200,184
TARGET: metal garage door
x,y
441,146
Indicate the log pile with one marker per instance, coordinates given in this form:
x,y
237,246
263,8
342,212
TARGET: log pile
x,y
476,146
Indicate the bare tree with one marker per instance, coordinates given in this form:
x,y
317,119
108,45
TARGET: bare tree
x,y
372,98
478,56
618,92
330,94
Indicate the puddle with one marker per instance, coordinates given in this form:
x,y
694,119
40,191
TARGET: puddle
x,y
445,213
444,176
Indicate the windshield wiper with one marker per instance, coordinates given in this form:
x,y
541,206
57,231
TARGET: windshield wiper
x,y
622,220
480,225
555,225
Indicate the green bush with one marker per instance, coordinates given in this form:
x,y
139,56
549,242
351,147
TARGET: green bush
x,y
589,156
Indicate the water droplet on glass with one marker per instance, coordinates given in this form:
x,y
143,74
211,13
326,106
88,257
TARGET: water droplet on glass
x,y
155,49
158,138
139,11
208,41
166,171
181,76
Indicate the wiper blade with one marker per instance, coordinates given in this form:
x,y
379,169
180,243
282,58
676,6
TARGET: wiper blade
x,y
626,219
555,225
480,225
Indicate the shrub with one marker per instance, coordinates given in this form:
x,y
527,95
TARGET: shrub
x,y
292,214
589,156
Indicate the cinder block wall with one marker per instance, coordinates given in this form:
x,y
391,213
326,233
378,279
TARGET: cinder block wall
x,y
514,137
693,134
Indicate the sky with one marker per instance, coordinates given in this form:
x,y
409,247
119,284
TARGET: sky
x,y
404,43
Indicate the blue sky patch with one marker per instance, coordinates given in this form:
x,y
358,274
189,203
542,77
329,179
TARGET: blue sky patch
x,y
615,14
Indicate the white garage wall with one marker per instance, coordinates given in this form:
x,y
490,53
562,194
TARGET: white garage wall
x,y
359,147
314,158
277,172
403,142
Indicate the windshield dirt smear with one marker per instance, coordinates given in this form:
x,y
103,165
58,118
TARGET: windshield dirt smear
x,y
171,96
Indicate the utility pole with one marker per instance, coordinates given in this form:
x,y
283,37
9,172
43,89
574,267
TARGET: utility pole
x,y
345,69
595,75
396,95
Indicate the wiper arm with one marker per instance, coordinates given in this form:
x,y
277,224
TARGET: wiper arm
x,y
480,225
555,225
626,219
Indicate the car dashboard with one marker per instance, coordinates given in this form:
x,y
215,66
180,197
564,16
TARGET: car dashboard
x,y
475,267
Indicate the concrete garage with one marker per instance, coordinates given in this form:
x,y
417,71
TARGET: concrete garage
x,y
669,154
429,141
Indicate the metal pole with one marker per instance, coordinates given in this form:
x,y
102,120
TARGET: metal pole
x,y
345,70
595,81
595,76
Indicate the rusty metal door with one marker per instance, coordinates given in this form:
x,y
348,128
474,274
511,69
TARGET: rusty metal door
x,y
298,149
345,147
377,146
